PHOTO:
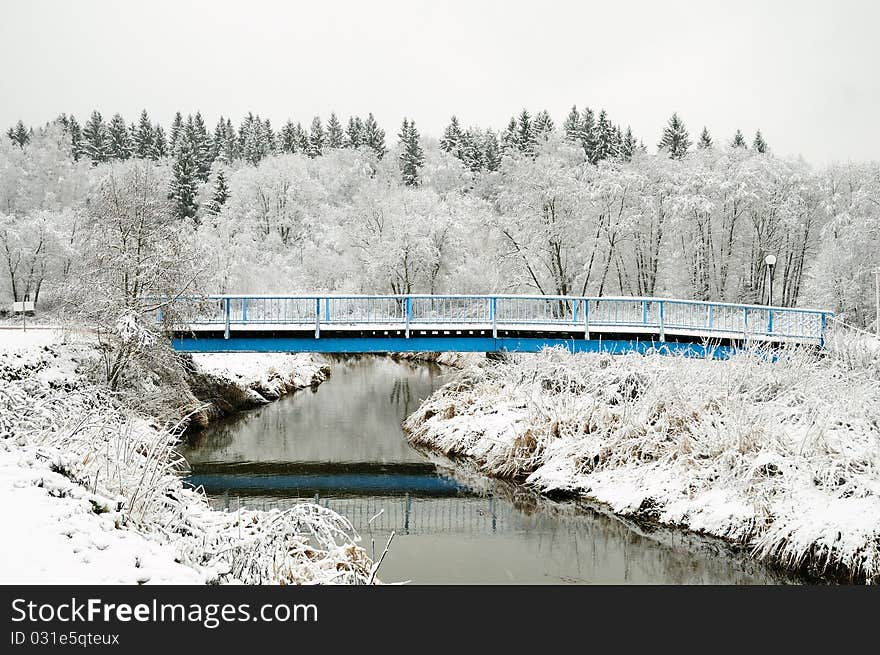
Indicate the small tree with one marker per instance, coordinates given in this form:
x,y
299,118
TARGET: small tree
x,y
19,134
95,144
676,140
759,144
374,136
738,140
119,140
133,255
220,196
316,138
184,180
335,134
411,156
705,140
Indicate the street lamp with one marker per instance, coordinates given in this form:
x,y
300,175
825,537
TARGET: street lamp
x,y
770,260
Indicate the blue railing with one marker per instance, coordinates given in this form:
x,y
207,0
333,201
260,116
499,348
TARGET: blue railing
x,y
510,313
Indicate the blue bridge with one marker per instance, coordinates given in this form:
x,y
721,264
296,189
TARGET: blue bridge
x,y
481,323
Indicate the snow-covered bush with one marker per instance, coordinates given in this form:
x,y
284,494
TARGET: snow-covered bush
x,y
780,454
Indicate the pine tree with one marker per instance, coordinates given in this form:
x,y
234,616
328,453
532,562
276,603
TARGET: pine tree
x,y
335,133
316,138
271,146
301,137
628,147
184,178
288,137
119,143
738,140
509,142
572,125
220,195
759,144
491,151
411,158
143,137
76,146
705,139
451,139
374,136
203,147
589,135
354,132
176,127
159,148
604,138
19,134
95,144
525,134
543,126
230,144
676,139
470,150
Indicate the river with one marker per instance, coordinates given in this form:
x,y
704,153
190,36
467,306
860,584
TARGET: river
x,y
341,445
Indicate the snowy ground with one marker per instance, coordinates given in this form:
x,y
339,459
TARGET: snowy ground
x,y
783,457
267,376
92,493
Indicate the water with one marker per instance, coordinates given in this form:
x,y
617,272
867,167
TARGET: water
x,y
342,445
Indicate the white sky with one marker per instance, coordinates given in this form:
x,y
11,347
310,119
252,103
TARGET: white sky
x,y
805,73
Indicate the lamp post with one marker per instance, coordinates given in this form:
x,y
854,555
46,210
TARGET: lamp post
x,y
770,260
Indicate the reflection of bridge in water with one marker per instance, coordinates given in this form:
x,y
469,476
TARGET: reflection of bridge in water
x,y
407,323
403,514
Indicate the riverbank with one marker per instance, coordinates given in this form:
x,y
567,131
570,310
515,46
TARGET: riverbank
x,y
93,490
780,457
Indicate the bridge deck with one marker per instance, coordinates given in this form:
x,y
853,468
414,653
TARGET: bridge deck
x,y
478,323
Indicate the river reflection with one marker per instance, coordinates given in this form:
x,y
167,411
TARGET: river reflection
x,y
342,446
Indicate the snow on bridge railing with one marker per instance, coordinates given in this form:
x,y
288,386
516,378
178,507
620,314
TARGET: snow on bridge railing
x,y
506,312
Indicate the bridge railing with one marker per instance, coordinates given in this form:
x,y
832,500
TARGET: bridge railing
x,y
407,312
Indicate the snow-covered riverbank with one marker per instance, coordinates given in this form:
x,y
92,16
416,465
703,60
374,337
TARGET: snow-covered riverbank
x,y
92,489
782,457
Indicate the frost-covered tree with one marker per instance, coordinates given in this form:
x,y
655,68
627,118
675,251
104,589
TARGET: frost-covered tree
x,y
76,145
143,137
411,157
571,127
354,132
628,145
589,135
185,179
95,141
119,144
604,148
219,196
317,138
509,141
451,138
705,139
491,151
159,148
335,133
287,136
738,141
176,130
543,125
759,144
676,140
526,140
133,252
19,134
470,150
373,136
197,132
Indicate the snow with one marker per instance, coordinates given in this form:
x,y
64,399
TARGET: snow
x,y
779,456
93,494
266,375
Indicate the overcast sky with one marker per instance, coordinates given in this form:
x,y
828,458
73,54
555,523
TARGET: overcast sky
x,y
805,73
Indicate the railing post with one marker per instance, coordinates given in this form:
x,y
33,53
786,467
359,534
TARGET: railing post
x,y
408,303
159,316
326,310
822,333
644,312
711,318
244,310
745,323
226,329
574,312
769,322
662,322
586,319
493,309
317,318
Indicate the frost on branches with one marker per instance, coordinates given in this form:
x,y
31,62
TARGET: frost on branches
x,y
95,493
782,457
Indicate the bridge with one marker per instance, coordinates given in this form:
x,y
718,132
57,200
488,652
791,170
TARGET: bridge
x,y
481,323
